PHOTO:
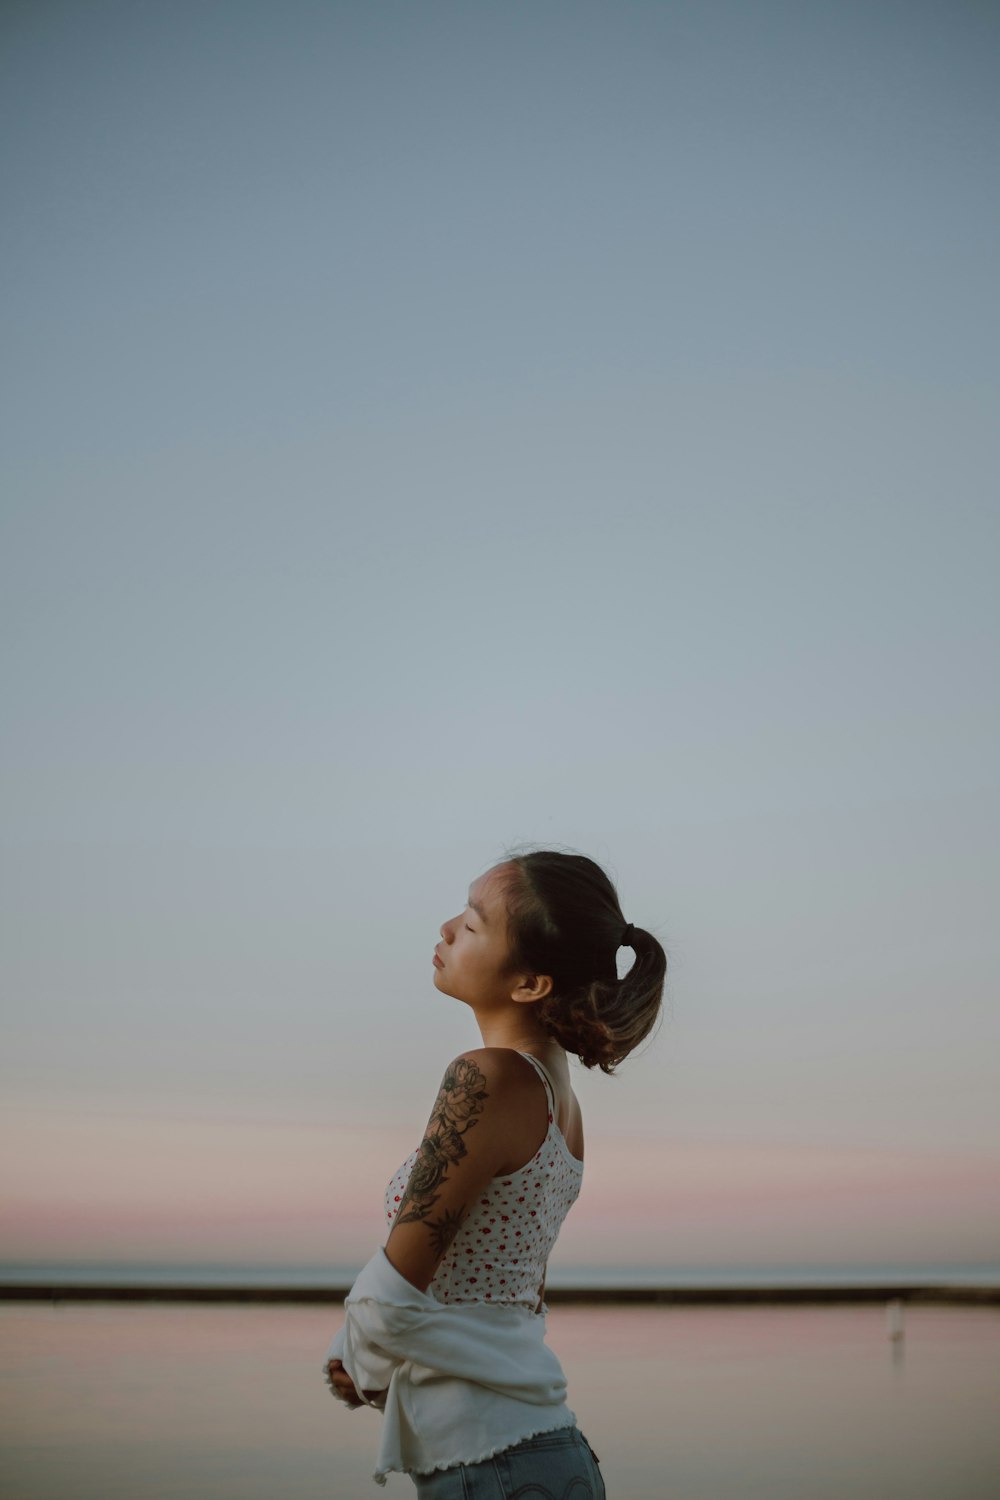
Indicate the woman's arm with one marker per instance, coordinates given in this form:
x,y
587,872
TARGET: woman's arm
x,y
467,1139
482,1110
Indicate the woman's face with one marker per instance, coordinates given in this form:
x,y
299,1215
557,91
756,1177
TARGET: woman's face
x,y
470,959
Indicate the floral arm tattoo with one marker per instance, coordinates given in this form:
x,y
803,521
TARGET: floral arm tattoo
x,y
460,1100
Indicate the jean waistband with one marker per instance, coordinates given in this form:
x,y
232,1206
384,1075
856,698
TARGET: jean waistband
x,y
560,1437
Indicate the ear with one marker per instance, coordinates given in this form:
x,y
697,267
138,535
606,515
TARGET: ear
x,y
531,987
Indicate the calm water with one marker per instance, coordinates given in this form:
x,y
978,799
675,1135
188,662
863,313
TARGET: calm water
x,y
161,1402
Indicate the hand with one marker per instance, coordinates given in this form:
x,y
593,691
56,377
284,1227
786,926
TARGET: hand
x,y
343,1386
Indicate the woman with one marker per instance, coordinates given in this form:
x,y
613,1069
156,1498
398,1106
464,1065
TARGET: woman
x,y
445,1326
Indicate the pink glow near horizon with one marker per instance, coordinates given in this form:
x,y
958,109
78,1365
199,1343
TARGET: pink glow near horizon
x,y
174,1191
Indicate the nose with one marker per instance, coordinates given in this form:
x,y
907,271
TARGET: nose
x,y
447,929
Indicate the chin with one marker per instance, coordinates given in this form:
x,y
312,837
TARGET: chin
x,y
441,984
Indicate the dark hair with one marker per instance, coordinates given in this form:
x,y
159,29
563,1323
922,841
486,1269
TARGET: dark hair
x,y
564,919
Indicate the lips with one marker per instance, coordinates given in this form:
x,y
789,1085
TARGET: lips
x,y
437,962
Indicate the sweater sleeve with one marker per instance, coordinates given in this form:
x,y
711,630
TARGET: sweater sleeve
x,y
390,1322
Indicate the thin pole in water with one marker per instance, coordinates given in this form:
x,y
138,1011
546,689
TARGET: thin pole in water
x,y
894,1319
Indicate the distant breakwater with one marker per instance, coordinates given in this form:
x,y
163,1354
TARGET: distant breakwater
x,y
593,1296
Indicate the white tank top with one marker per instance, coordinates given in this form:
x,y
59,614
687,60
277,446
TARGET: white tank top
x,y
499,1254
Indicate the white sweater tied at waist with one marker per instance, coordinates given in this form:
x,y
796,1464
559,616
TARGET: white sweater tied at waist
x,y
461,1380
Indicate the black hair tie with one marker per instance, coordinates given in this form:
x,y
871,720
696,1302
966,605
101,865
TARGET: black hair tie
x,y
625,941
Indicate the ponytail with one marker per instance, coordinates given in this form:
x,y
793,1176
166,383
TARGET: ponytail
x,y
564,919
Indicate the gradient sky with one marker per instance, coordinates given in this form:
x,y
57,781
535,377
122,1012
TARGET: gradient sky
x,y
428,427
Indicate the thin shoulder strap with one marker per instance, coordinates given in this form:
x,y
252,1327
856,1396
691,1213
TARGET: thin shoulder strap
x,y
545,1079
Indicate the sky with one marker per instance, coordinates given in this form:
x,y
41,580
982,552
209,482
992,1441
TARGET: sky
x,y
431,428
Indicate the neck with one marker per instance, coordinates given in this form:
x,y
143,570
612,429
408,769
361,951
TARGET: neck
x,y
513,1028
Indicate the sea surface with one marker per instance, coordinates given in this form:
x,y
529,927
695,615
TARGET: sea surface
x,y
180,1401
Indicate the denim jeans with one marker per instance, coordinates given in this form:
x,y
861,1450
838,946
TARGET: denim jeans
x,y
556,1465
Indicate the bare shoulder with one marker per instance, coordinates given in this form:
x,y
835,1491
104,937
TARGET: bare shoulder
x,y
481,1094
485,1085
512,1109
497,1070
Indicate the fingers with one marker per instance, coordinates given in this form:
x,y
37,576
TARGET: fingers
x,y
341,1384
341,1380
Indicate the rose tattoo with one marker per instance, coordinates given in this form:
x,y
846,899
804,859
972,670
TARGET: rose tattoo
x,y
460,1100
